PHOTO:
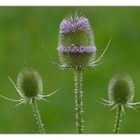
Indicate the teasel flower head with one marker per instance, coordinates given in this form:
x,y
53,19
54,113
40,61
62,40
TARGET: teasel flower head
x,y
121,92
29,83
76,46
29,86
121,89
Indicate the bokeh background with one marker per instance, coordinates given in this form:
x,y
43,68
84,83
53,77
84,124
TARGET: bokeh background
x,y
23,30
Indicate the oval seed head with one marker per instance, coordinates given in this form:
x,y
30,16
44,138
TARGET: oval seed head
x,y
76,45
29,83
121,89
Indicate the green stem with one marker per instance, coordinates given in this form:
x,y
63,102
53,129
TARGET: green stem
x,y
37,116
118,119
78,100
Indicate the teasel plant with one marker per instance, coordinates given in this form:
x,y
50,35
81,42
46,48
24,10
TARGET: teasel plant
x,y
30,89
120,93
76,50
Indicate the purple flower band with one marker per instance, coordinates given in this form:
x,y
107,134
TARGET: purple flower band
x,y
74,23
82,49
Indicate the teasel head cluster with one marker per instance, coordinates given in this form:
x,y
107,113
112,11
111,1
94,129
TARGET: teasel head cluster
x,y
76,46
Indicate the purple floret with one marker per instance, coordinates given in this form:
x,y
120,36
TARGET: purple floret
x,y
82,49
61,49
90,49
73,24
73,49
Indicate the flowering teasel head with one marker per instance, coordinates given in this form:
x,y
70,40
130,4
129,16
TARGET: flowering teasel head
x,y
76,46
77,50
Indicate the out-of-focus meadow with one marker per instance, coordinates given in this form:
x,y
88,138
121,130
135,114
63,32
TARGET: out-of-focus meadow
x,y
24,30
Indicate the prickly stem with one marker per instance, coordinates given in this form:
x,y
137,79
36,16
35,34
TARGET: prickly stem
x,y
38,116
118,119
78,100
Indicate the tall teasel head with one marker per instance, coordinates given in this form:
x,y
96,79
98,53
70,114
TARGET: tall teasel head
x,y
76,46
121,91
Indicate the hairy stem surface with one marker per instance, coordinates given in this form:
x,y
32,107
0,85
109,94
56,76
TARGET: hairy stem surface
x,y
118,119
78,100
38,117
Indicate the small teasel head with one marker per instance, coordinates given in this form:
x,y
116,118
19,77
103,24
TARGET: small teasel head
x,y
76,46
29,86
121,92
29,83
121,89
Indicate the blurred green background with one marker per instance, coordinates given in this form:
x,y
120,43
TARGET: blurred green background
x,y
23,30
